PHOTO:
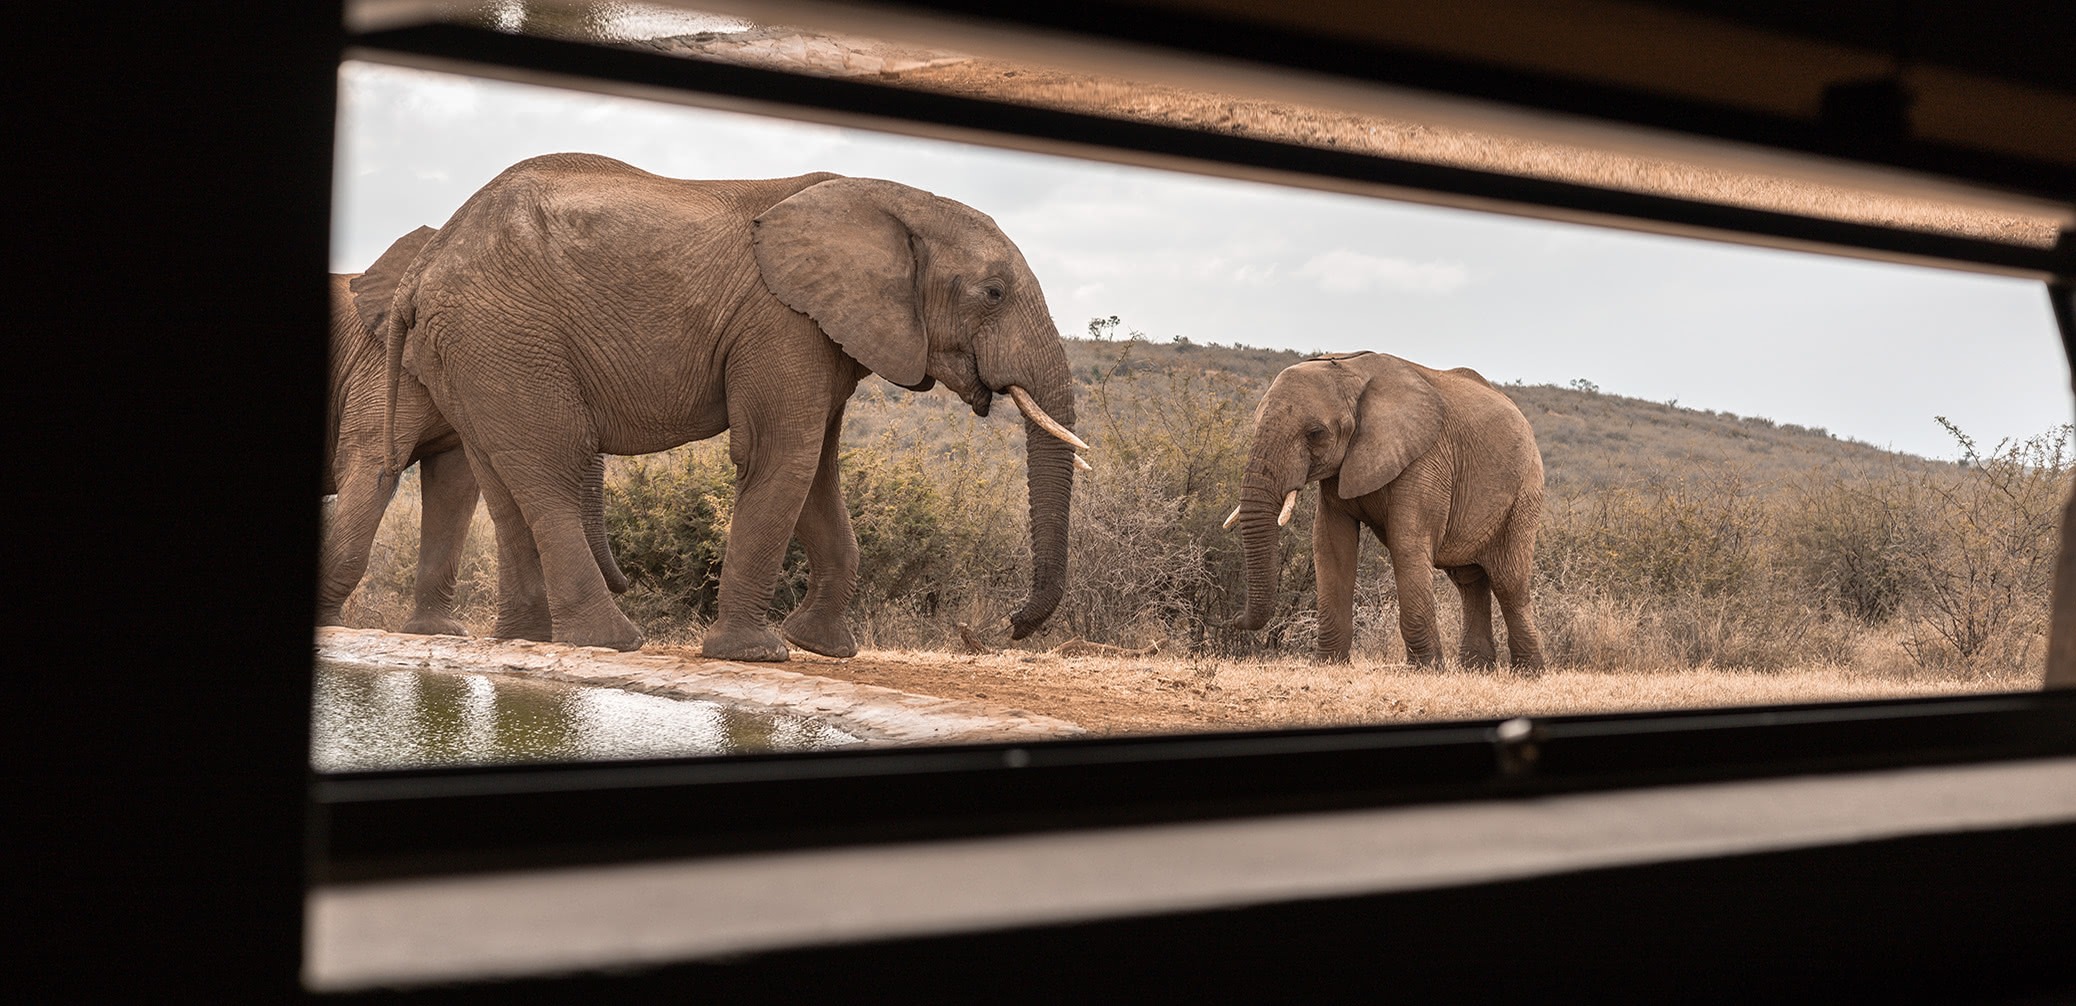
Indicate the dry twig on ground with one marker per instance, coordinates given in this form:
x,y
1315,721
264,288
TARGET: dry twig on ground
x,y
1079,647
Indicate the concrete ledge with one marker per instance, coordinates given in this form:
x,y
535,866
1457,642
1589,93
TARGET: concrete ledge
x,y
868,712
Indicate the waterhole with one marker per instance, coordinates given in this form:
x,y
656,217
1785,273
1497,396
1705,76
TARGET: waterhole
x,y
366,718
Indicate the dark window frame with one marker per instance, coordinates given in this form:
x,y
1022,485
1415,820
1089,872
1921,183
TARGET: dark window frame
x,y
370,826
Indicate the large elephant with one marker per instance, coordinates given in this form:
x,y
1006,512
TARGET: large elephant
x,y
356,454
1438,464
576,304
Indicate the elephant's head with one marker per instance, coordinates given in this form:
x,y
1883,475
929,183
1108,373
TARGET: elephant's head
x,y
920,289
1359,418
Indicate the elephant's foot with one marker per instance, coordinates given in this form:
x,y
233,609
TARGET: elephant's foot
x,y
753,643
426,623
1330,656
820,634
537,629
612,631
1527,668
1477,660
331,616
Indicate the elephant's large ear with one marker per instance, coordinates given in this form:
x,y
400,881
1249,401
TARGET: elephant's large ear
x,y
835,253
1397,419
372,290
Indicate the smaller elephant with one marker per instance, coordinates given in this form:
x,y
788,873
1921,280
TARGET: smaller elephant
x,y
355,451
1440,465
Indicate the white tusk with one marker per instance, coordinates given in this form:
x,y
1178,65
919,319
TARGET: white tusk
x,y
1232,519
1289,504
1037,415
1081,463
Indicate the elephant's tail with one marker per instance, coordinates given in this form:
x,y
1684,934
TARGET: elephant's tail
x,y
395,457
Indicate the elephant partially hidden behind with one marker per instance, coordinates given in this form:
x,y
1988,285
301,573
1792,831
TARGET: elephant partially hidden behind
x,y
576,304
1440,465
356,452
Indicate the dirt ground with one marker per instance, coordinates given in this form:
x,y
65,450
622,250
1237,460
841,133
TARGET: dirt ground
x,y
1161,694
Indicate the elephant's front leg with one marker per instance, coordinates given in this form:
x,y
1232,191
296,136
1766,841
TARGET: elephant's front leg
x,y
1412,567
1336,537
1477,649
774,473
824,529
448,502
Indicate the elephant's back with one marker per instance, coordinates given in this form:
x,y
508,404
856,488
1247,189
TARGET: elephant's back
x,y
598,220
580,189
1487,411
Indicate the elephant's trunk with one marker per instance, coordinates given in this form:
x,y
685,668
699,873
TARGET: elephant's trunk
x,y
1264,492
1043,375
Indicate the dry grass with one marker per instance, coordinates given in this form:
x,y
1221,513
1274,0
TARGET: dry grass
x,y
384,597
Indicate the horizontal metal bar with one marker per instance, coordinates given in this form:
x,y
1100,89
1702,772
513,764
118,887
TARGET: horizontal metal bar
x,y
387,824
895,109
1211,34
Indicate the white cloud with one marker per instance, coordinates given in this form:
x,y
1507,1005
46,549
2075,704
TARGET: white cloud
x,y
1344,271
1188,265
425,95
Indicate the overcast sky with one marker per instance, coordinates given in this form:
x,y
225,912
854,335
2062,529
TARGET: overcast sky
x,y
1864,350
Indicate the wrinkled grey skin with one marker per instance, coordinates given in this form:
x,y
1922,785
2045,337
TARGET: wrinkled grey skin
x,y
1438,464
576,304
356,452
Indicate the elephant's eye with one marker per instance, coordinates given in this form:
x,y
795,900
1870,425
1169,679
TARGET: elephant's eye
x,y
992,293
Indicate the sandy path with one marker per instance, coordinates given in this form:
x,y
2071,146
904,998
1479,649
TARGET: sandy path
x,y
1109,695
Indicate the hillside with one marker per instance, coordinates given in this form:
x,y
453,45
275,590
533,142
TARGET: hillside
x,y
1671,538
1589,439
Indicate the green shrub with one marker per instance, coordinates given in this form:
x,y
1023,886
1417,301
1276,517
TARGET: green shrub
x,y
667,516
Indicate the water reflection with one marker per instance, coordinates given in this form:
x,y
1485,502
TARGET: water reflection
x,y
373,719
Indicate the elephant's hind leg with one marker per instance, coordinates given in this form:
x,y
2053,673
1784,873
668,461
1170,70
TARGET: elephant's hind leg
x,y
547,484
448,502
818,625
1510,585
522,596
1477,649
